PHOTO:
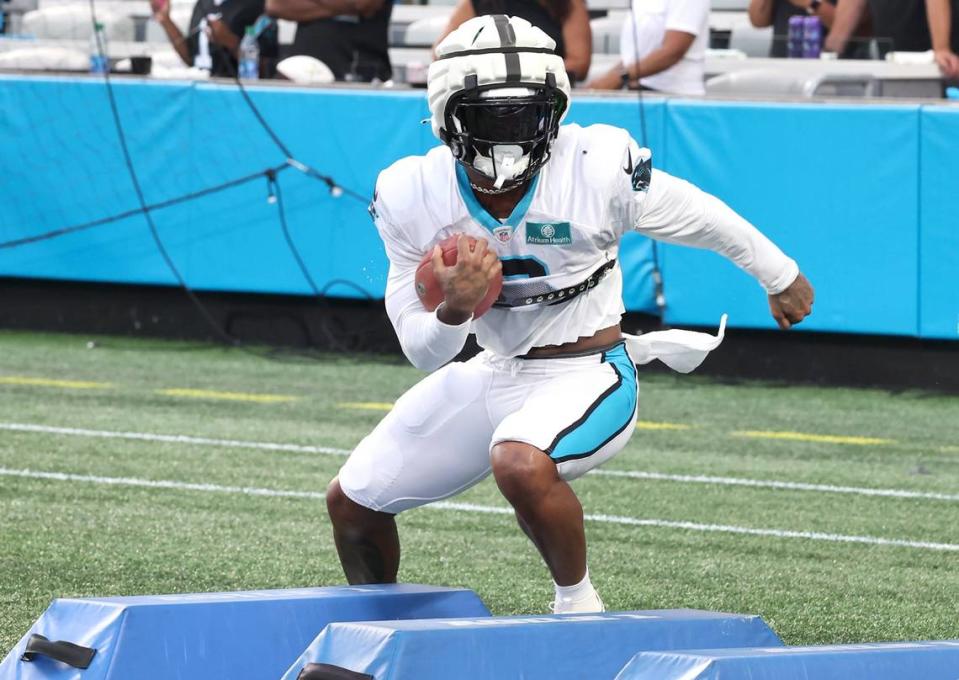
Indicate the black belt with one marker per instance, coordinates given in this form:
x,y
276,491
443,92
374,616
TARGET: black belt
x,y
561,295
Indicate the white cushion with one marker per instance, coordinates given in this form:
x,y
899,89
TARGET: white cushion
x,y
73,22
45,59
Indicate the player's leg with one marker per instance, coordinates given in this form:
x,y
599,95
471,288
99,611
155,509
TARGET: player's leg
x,y
546,507
432,445
366,540
526,530
568,425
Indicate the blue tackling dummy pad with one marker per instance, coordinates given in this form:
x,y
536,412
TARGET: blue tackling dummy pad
x,y
549,647
255,634
881,661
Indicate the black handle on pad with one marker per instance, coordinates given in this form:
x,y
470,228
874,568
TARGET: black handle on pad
x,y
325,671
64,652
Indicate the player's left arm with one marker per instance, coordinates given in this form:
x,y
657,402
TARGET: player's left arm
x,y
675,211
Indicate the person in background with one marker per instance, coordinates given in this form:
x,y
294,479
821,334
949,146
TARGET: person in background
x,y
776,13
944,35
350,36
565,21
904,26
662,48
216,28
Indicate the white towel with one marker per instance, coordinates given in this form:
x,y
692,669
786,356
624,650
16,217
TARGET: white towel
x,y
682,351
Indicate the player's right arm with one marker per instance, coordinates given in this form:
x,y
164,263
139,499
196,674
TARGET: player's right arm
x,y
465,283
428,339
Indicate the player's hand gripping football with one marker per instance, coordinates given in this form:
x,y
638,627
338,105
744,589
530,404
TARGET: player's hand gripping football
x,y
465,283
793,304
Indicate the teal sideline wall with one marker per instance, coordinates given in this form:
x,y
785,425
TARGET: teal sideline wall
x,y
939,224
835,186
865,197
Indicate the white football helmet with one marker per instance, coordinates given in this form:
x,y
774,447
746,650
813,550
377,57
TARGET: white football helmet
x,y
498,93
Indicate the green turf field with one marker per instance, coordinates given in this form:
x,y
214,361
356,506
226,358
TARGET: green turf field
x,y
745,498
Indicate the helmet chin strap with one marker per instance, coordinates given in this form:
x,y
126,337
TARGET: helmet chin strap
x,y
493,192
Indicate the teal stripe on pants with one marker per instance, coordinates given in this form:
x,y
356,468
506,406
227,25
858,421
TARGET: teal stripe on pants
x,y
606,417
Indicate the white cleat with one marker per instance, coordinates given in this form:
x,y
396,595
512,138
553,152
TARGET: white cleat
x,y
591,604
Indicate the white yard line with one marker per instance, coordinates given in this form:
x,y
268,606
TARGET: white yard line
x,y
776,484
632,474
485,509
172,438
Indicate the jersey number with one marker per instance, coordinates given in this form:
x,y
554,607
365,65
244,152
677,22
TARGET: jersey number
x,y
522,268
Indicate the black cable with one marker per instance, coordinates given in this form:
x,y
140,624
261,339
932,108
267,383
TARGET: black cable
x,y
332,338
659,292
135,180
317,291
276,192
336,189
275,187
639,87
63,231
349,284
270,173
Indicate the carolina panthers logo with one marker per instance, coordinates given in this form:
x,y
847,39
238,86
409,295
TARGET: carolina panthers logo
x,y
372,207
640,173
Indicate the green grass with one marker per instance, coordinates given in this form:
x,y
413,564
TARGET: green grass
x,y
75,538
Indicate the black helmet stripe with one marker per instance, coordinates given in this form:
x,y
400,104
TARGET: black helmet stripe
x,y
498,50
514,73
507,36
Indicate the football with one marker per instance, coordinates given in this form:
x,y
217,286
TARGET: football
x,y
428,288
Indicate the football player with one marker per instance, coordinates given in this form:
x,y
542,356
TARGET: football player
x,y
554,393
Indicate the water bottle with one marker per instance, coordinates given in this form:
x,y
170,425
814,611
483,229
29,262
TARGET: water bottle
x,y
811,38
249,68
98,50
795,37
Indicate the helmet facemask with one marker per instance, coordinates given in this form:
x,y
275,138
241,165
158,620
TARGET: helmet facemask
x,y
502,131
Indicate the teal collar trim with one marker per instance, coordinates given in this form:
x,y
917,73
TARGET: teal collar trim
x,y
478,212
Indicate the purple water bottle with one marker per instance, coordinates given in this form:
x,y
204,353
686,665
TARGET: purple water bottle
x,y
811,38
795,37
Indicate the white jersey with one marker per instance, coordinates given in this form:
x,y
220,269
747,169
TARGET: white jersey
x,y
558,247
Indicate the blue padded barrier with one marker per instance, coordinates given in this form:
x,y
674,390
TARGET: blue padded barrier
x,y
881,661
255,634
939,224
551,647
